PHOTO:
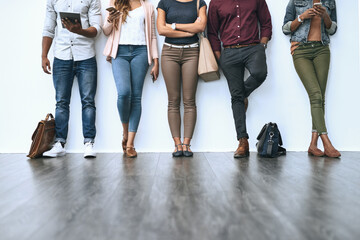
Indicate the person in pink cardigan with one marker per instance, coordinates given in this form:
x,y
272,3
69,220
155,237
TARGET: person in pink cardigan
x,y
131,47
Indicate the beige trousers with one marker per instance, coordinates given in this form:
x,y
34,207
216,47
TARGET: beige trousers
x,y
179,67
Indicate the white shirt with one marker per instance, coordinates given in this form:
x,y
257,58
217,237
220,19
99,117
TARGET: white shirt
x,y
133,30
68,45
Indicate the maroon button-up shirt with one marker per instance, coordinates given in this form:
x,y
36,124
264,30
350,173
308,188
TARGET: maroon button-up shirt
x,y
237,22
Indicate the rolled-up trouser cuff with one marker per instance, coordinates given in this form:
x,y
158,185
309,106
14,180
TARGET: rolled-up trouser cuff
x,y
243,136
315,131
91,140
63,141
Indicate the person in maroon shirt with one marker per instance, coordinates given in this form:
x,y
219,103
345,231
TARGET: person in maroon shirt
x,y
236,23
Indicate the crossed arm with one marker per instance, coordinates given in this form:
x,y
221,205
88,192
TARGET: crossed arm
x,y
182,30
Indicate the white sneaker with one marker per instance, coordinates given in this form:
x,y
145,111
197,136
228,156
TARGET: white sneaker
x,y
89,150
56,151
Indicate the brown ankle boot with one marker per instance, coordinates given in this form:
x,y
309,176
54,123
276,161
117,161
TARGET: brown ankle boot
x,y
243,148
130,152
316,152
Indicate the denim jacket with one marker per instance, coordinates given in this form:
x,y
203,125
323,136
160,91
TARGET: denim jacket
x,y
297,7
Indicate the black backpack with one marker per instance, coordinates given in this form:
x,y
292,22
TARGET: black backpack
x,y
270,142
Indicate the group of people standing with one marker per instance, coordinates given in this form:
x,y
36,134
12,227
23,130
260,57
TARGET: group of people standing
x,y
238,31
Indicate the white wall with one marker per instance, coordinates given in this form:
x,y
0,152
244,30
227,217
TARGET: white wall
x,y
27,94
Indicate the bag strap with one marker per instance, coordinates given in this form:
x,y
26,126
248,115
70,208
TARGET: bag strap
x,y
269,147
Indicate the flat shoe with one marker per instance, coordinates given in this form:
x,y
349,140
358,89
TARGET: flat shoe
x,y
130,152
178,153
316,152
332,154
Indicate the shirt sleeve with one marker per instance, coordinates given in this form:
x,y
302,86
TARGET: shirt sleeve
x,y
95,15
50,20
161,5
155,52
290,16
264,19
202,3
213,26
332,30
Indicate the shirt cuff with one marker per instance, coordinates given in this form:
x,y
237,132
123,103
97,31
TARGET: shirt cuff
x,y
332,29
49,34
98,29
287,28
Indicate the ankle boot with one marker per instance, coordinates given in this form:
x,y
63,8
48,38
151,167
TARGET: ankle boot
x,y
243,148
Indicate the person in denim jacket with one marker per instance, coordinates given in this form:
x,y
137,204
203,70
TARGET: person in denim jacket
x,y
310,22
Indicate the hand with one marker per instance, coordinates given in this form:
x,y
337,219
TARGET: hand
x,y
217,55
72,27
45,64
155,72
113,15
308,14
320,10
168,25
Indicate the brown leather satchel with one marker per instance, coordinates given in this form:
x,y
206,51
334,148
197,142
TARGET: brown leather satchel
x,y
43,137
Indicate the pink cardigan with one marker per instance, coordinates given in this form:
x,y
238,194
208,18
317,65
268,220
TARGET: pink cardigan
x,y
113,34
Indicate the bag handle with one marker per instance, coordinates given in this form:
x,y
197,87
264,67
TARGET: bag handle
x,y
49,115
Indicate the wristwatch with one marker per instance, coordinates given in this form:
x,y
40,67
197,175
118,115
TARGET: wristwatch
x,y
265,45
299,19
173,26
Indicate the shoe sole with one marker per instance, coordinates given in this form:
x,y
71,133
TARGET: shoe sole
x,y
313,155
89,156
54,155
242,156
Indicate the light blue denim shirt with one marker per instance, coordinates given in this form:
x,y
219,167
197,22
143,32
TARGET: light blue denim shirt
x,y
296,8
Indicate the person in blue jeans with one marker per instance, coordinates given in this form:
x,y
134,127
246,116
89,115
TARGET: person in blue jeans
x,y
131,47
74,56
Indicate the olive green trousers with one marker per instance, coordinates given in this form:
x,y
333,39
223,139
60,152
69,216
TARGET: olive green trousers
x,y
312,62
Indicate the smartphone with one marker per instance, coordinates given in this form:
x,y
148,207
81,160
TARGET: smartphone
x,y
111,9
318,4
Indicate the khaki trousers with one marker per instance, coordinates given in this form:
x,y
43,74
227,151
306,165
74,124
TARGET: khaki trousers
x,y
179,68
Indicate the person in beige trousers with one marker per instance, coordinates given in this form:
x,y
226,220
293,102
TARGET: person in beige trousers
x,y
179,22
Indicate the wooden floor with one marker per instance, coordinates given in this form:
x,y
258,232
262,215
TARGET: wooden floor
x,y
156,197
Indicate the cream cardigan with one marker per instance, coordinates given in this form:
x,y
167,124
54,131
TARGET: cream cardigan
x,y
113,34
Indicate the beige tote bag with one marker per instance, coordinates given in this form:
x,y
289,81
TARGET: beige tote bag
x,y
208,68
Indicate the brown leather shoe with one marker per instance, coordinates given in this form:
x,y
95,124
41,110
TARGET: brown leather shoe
x,y
130,152
246,103
316,152
332,153
243,148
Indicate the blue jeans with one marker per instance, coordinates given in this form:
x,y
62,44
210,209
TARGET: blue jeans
x,y
64,72
129,69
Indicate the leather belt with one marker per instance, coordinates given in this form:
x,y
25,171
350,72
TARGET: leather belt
x,y
241,46
194,45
